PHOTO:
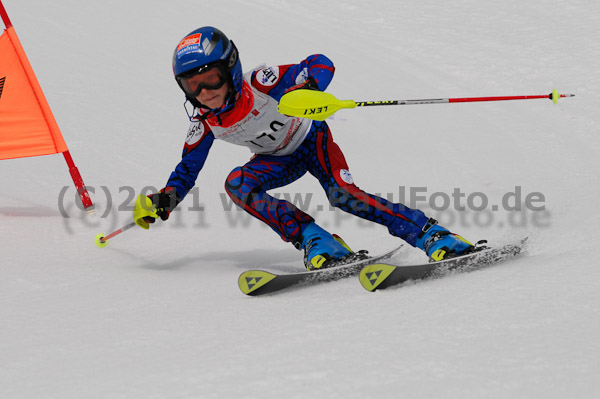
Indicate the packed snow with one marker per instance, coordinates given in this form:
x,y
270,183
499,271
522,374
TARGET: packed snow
x,y
158,314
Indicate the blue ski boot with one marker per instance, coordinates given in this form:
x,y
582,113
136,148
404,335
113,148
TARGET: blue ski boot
x,y
439,244
322,249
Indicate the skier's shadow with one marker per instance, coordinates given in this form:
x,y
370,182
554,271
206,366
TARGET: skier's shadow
x,y
28,211
283,260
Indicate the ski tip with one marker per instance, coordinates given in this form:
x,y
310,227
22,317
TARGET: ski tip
x,y
372,276
251,281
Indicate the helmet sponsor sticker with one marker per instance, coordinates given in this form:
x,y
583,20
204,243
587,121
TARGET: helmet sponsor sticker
x,y
346,176
189,43
208,46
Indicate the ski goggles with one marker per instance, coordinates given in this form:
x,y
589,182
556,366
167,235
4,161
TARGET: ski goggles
x,y
211,77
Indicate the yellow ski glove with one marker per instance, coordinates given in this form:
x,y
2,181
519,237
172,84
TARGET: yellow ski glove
x,y
144,208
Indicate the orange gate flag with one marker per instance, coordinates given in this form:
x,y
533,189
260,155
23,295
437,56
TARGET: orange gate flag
x,y
27,125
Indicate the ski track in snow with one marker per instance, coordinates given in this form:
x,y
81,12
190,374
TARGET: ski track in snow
x,y
157,314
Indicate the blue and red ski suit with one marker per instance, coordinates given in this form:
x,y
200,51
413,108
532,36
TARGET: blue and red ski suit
x,y
286,148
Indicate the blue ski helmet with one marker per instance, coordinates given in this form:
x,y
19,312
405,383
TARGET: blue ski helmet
x,y
206,47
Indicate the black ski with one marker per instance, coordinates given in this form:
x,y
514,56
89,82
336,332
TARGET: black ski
x,y
260,282
380,276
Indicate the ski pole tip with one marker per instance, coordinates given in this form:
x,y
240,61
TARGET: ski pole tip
x,y
555,95
99,240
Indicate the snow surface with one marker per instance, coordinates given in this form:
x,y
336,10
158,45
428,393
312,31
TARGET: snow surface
x,y
157,314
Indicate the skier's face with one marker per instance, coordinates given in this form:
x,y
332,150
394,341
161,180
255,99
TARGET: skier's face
x,y
214,98
209,87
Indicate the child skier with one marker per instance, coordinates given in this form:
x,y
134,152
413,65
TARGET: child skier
x,y
242,110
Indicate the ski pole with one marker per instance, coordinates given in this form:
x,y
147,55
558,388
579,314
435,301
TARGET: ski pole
x,y
102,240
319,106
